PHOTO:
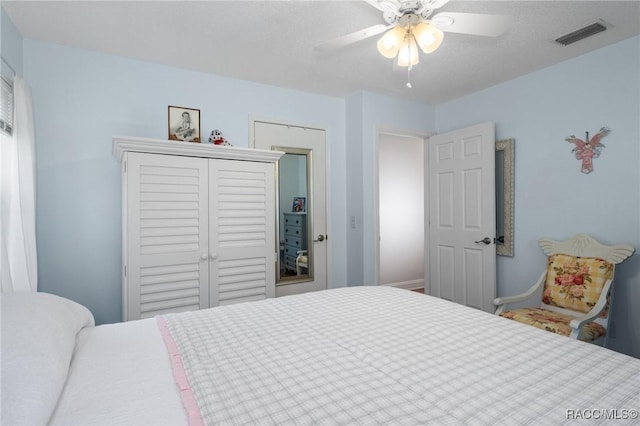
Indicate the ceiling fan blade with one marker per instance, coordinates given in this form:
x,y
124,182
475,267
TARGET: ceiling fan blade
x,y
472,23
431,4
385,5
345,40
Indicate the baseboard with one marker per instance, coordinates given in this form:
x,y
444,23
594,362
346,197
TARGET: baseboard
x,y
407,285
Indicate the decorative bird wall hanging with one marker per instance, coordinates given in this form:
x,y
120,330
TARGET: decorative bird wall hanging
x,y
588,149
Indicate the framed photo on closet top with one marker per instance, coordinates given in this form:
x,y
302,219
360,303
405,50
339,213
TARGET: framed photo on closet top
x,y
184,124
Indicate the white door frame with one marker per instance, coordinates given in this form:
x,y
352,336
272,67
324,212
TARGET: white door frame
x,y
293,123
376,198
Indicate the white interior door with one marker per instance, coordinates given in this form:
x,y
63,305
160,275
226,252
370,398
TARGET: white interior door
x,y
268,135
462,216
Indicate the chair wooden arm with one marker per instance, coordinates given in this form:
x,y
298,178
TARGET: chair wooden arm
x,y
502,302
299,261
577,323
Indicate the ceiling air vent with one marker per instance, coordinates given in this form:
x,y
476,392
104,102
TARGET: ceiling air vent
x,y
582,33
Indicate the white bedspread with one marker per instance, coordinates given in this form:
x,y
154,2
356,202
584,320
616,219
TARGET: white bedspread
x,y
378,355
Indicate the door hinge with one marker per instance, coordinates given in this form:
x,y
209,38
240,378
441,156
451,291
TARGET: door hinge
x,y
275,257
124,167
125,270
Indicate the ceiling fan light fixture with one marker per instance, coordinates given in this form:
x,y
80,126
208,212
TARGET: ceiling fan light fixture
x,y
408,55
389,44
428,37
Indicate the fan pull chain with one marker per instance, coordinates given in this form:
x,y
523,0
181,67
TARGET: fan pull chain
x,y
409,76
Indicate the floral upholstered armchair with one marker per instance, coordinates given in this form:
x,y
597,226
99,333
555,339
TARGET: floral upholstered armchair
x,y
576,289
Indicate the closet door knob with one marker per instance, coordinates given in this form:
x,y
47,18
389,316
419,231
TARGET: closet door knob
x,y
203,256
213,256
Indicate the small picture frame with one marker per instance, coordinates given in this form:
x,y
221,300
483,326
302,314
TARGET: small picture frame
x,y
299,205
184,124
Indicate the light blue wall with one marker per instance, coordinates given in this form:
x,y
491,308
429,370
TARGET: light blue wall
x,y
354,184
553,198
82,99
10,45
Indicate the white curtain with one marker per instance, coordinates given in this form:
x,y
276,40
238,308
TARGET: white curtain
x,y
19,266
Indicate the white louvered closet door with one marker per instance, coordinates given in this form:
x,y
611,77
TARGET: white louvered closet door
x,y
167,234
242,237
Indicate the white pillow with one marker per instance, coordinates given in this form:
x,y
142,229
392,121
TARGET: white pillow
x,y
38,339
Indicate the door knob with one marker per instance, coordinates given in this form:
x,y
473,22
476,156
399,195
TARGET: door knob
x,y
320,238
203,256
213,256
485,240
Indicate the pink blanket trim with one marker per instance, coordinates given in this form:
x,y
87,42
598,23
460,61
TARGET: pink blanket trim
x,y
180,376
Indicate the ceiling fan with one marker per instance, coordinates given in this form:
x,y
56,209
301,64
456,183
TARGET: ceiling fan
x,y
409,24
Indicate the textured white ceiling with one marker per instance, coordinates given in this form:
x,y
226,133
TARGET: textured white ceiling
x,y
272,42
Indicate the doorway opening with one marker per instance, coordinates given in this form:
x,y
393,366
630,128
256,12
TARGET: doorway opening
x,y
401,210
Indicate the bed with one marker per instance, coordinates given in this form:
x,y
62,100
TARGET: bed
x,y
358,355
